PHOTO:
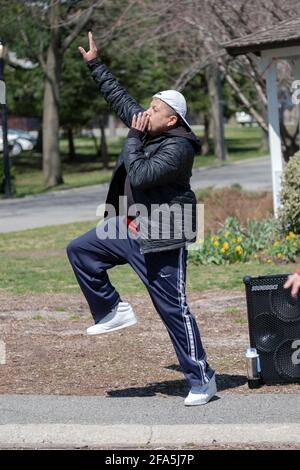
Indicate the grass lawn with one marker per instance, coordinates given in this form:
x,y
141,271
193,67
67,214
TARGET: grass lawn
x,y
34,261
86,169
241,143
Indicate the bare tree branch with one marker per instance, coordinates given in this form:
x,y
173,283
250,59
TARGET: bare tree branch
x,y
83,20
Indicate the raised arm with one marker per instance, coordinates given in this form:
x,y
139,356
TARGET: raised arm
x,y
116,95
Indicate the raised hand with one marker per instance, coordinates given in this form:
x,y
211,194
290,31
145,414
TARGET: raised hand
x,y
92,53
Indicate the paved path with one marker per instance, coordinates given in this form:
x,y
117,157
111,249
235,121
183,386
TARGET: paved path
x,y
74,205
73,421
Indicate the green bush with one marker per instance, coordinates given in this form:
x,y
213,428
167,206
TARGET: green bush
x,y
12,177
289,212
259,240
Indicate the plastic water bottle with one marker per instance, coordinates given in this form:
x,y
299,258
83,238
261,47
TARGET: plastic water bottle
x,y
253,368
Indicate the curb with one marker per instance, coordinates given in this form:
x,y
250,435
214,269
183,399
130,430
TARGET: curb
x,y
79,435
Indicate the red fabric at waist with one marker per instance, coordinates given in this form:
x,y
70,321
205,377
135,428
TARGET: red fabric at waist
x,y
132,226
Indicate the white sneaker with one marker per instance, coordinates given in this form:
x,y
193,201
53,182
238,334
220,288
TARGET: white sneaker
x,y
201,395
120,317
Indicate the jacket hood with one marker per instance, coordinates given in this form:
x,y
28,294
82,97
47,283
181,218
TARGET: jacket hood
x,y
181,131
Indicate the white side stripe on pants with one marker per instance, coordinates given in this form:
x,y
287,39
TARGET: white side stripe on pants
x,y
185,317
188,323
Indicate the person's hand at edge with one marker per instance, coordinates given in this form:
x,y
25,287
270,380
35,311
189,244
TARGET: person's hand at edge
x,y
293,281
93,51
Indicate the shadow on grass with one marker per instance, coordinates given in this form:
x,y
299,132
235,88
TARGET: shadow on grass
x,y
178,388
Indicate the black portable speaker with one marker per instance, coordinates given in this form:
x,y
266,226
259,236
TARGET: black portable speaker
x,y
274,327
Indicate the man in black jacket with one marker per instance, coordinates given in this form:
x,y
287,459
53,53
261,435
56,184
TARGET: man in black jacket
x,y
153,174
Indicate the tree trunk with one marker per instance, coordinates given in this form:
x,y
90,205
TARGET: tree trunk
x,y
51,158
264,145
97,149
72,151
39,142
112,126
244,100
103,151
205,140
217,117
289,141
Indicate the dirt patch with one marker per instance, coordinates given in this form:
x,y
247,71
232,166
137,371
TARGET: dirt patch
x,y
243,205
47,351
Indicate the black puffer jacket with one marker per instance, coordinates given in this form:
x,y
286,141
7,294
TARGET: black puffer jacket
x,y
159,171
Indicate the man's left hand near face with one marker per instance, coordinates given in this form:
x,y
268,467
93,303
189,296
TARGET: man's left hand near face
x,y
140,122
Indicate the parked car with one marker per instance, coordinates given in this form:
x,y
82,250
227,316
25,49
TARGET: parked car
x,y
10,140
10,145
18,141
244,118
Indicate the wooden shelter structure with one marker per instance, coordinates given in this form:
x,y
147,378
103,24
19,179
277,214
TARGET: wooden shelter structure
x,y
281,42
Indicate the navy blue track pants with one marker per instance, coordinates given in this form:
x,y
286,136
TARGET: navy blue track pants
x,y
163,273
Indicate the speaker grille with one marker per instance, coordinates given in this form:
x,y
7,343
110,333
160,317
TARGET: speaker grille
x,y
285,362
268,333
274,327
284,305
